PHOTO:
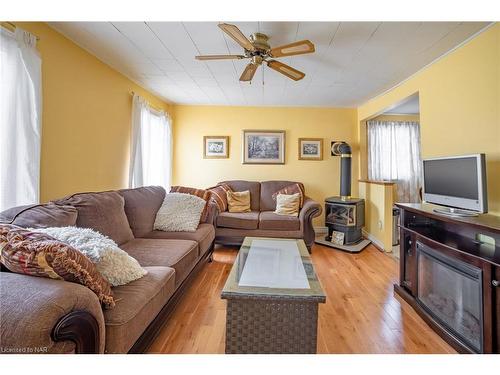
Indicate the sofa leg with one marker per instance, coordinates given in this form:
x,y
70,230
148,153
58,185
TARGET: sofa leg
x,y
211,256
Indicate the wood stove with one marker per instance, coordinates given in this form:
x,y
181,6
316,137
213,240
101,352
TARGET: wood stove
x,y
346,216
343,213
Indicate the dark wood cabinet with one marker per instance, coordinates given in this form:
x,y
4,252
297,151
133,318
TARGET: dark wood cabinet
x,y
496,292
408,276
450,274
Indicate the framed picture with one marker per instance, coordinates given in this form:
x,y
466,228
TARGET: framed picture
x,y
263,147
337,238
215,147
310,148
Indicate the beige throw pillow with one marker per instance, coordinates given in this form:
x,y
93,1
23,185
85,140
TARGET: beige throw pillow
x,y
287,204
238,201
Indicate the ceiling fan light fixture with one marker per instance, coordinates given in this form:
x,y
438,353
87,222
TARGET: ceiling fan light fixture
x,y
258,50
257,59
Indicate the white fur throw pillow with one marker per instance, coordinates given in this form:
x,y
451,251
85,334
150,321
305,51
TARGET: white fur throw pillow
x,y
113,263
179,213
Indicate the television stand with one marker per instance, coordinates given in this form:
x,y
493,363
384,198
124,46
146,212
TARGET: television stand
x,y
451,276
455,212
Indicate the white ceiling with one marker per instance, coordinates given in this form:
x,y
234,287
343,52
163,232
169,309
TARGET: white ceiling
x,y
410,106
353,62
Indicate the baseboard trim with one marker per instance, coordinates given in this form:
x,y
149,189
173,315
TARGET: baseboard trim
x,y
379,245
321,230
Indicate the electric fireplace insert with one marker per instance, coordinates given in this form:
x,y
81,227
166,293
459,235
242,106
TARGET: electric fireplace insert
x,y
451,292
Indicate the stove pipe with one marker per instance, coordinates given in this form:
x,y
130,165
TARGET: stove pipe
x,y
343,150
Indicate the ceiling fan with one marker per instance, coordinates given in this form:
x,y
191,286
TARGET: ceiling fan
x,y
258,50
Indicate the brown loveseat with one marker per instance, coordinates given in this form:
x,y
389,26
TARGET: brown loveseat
x,y
54,316
232,228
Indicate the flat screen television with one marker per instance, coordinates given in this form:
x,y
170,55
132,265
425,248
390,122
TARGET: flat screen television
x,y
456,182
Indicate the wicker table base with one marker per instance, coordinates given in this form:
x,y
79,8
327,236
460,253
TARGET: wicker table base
x,y
276,310
271,326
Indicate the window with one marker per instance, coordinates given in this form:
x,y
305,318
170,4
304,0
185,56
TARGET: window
x,y
20,119
151,148
394,154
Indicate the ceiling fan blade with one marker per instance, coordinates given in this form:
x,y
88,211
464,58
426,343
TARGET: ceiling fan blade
x,y
237,35
220,57
249,72
290,72
297,48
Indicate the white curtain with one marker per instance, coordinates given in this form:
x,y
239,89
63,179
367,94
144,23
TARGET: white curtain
x,y
151,146
394,154
20,118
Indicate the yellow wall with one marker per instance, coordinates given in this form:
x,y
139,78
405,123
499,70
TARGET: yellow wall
x,y
378,212
459,105
86,118
321,178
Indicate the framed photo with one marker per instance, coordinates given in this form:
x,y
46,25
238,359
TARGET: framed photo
x,y
215,147
337,238
263,147
310,148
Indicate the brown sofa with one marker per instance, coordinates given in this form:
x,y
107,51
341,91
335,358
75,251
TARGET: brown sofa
x,y
232,228
54,316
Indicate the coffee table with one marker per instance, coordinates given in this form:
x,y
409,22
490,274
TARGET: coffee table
x,y
272,295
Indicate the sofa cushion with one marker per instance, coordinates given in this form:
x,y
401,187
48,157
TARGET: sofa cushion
x,y
271,221
113,263
200,193
238,201
252,186
179,213
141,206
137,304
240,220
40,216
104,212
219,195
38,254
204,236
267,189
296,188
181,255
288,205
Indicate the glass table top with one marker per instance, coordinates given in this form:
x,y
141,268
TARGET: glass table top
x,y
273,267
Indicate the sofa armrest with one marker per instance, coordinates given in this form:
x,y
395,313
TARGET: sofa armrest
x,y
309,211
213,211
41,315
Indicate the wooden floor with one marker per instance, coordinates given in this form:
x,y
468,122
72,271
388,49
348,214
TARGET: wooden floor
x,y
361,315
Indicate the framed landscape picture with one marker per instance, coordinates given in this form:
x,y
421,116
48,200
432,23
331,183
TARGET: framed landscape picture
x,y
215,147
263,147
310,148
